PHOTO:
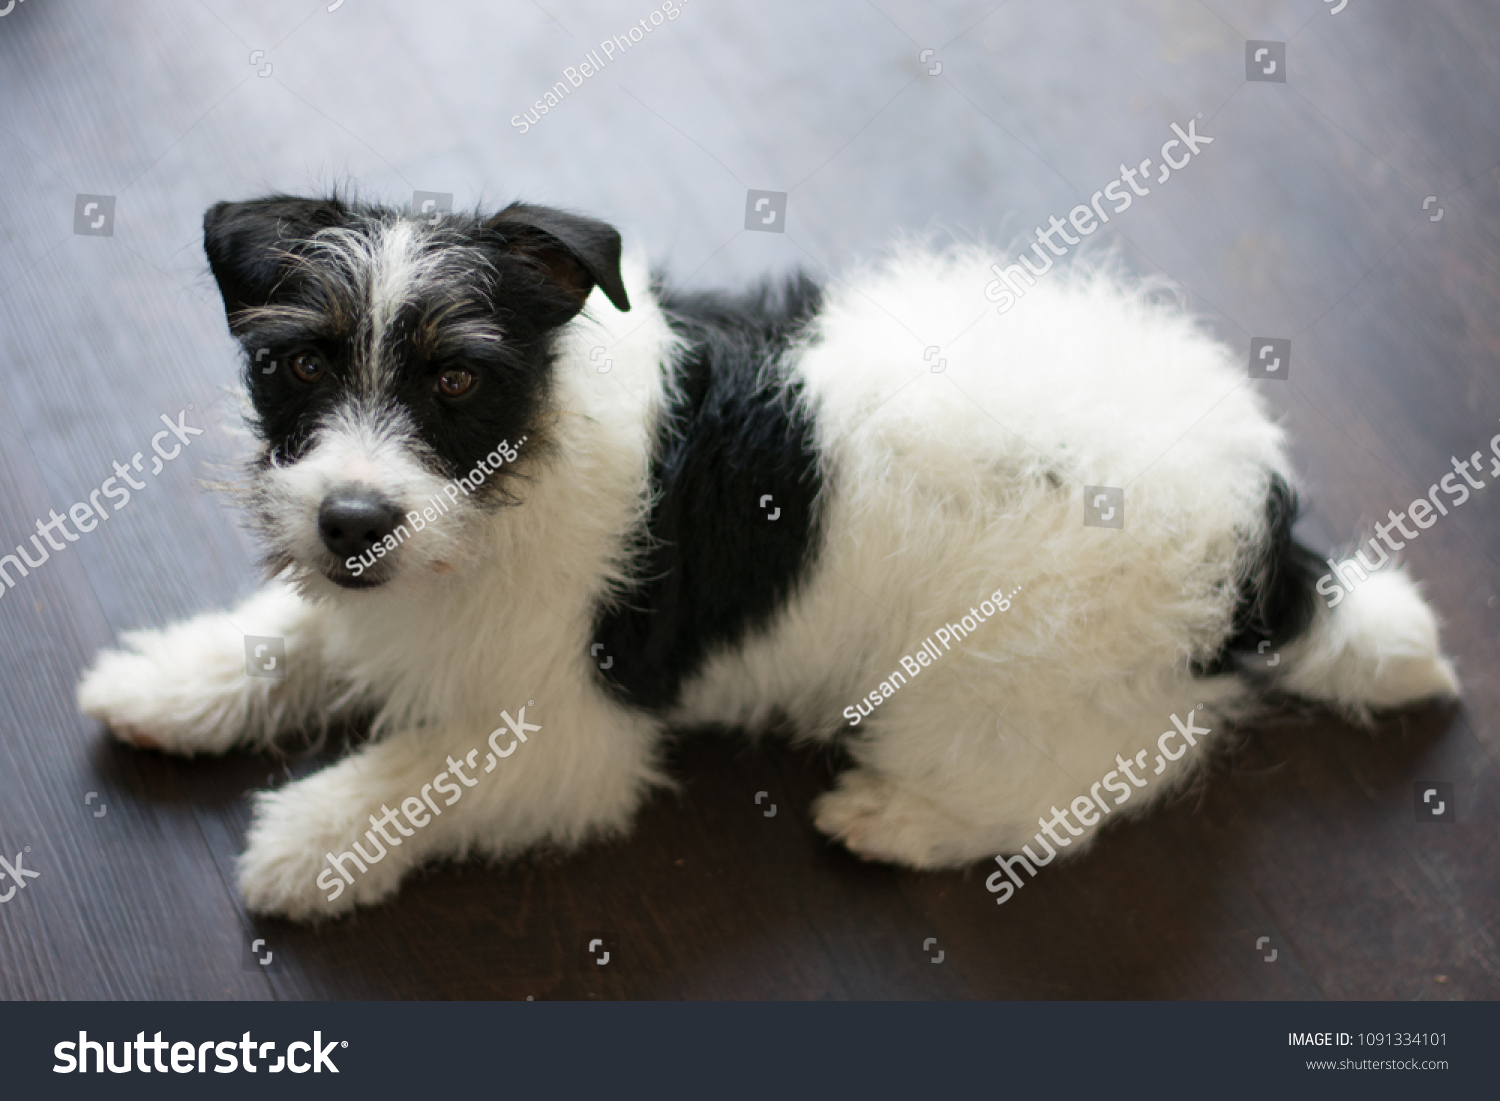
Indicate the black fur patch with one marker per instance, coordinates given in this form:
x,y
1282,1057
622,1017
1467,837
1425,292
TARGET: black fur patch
x,y
711,564
1274,593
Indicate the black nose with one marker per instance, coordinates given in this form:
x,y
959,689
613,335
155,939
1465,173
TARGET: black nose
x,y
353,520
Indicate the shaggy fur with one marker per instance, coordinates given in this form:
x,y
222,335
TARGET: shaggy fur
x,y
631,529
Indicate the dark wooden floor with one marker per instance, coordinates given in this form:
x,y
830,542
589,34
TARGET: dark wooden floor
x,y
1306,218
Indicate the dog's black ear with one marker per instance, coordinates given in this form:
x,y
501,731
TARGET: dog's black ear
x,y
246,243
573,252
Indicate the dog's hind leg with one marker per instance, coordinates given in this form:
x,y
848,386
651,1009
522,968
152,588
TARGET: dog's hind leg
x,y
960,768
217,680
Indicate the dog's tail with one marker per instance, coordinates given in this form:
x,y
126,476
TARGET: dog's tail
x,y
1359,640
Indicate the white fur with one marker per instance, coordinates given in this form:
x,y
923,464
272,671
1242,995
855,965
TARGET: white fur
x,y
941,488
1377,648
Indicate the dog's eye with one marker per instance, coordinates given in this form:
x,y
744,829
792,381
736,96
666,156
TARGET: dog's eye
x,y
453,382
307,366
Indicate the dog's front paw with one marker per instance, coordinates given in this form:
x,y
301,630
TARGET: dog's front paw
x,y
149,705
182,690
285,870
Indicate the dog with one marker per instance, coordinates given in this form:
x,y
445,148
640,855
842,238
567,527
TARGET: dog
x,y
514,490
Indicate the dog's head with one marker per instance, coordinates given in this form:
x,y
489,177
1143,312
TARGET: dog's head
x,y
400,372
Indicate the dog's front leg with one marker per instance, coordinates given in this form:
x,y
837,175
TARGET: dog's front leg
x,y
218,680
347,835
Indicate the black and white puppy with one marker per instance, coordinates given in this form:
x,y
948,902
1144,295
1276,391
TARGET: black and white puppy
x,y
696,508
